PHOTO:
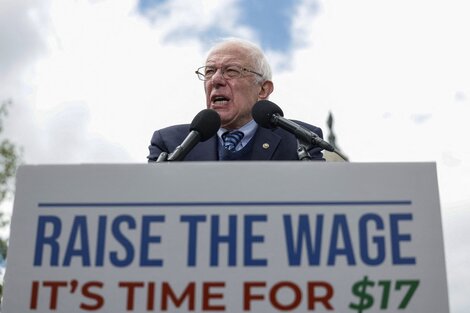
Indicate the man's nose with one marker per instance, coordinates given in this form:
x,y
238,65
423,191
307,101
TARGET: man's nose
x,y
218,78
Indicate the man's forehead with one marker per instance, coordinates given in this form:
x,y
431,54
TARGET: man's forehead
x,y
228,53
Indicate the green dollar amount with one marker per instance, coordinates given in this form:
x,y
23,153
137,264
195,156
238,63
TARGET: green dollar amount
x,y
362,290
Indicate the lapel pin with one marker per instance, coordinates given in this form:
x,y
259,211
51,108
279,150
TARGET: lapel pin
x,y
265,145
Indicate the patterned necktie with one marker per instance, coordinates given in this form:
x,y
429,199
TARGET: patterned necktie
x,y
232,139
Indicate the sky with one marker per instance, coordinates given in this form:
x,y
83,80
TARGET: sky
x,y
90,80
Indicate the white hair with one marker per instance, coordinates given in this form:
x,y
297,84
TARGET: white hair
x,y
254,52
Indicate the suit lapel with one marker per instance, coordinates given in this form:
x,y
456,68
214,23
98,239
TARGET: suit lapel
x,y
264,144
204,151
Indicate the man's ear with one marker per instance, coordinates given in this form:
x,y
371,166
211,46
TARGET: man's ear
x,y
266,89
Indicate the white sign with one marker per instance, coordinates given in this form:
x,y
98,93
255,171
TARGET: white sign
x,y
227,237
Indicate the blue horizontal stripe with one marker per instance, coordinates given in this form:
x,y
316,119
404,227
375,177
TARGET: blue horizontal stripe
x,y
211,204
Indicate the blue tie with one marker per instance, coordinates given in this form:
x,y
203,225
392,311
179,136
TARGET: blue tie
x,y
232,139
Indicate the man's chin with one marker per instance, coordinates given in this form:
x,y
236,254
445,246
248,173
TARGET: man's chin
x,y
224,117
220,109
226,123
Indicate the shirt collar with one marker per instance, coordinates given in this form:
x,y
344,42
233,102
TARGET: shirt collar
x,y
248,130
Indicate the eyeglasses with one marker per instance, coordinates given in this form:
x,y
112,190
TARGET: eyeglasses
x,y
228,72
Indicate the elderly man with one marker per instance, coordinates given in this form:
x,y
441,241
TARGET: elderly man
x,y
236,75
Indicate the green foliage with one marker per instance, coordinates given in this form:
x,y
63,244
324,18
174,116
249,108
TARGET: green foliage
x,y
10,156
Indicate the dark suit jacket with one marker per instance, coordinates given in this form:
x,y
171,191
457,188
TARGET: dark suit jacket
x,y
269,144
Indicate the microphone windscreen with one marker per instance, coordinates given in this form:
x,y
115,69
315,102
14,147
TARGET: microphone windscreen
x,y
206,123
263,111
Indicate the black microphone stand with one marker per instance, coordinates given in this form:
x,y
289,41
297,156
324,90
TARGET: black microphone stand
x,y
303,147
163,157
302,150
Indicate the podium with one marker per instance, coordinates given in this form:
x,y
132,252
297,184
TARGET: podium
x,y
227,237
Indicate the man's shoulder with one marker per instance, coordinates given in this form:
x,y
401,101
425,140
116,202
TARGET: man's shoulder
x,y
175,129
171,134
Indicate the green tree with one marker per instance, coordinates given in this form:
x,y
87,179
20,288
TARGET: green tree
x,y
10,156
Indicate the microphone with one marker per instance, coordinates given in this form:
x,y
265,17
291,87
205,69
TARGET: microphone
x,y
204,125
268,115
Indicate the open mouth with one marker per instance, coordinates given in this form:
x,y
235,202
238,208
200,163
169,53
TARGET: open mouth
x,y
219,100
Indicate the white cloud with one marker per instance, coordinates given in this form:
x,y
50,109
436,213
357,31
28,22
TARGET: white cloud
x,y
179,20
24,44
113,63
380,65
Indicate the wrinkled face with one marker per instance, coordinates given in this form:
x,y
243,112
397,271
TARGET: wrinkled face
x,y
233,98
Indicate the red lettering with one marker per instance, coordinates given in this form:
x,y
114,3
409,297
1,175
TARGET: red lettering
x,y
189,292
247,296
150,296
273,296
131,292
87,293
325,299
207,296
34,295
55,285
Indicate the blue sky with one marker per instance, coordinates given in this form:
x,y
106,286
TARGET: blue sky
x,y
395,74
270,20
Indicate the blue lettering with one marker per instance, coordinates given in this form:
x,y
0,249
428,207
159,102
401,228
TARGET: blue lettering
x,y
78,234
100,241
378,240
147,239
340,225
124,241
192,236
250,239
51,240
294,247
397,237
230,239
